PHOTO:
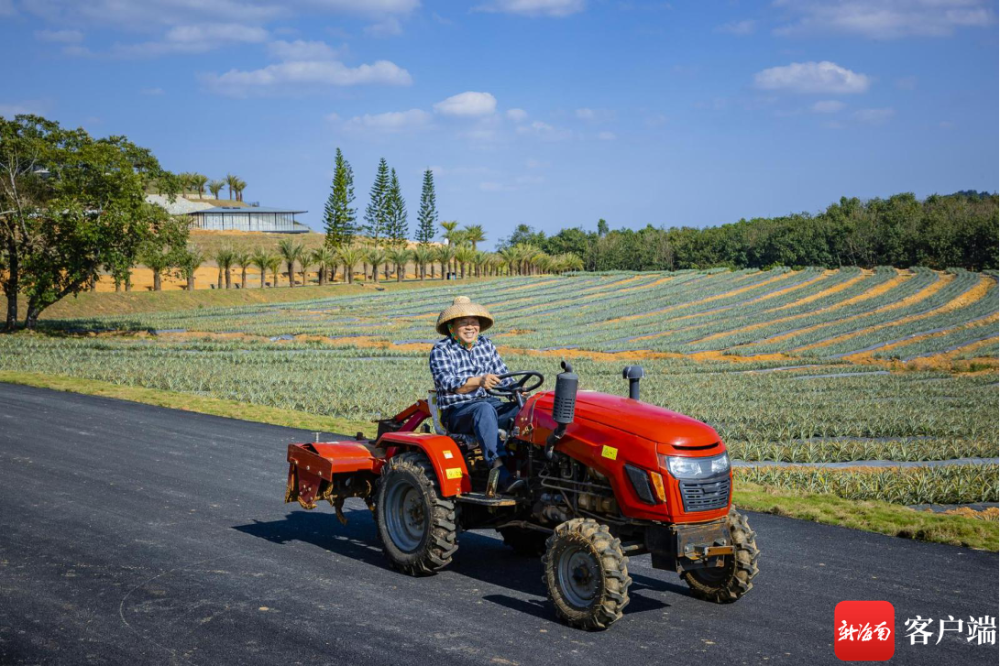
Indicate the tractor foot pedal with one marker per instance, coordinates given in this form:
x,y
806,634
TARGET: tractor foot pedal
x,y
482,500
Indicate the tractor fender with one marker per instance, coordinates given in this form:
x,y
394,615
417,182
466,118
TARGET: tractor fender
x,y
442,451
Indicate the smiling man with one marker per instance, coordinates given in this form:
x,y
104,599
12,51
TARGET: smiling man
x,y
465,365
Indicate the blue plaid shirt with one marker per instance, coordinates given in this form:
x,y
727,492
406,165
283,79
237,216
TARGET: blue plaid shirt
x,y
452,365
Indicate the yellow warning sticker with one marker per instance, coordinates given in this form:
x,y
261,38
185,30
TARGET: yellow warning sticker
x,y
453,473
609,452
448,455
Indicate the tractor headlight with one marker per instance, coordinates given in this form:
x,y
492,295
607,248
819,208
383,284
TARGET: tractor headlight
x,y
696,468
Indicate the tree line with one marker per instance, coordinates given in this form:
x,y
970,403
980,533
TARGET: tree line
x,y
942,231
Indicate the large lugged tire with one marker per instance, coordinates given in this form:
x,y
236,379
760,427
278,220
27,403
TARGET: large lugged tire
x,y
525,542
586,573
726,584
417,527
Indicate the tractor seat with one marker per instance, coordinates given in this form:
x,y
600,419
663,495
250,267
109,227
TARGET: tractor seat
x,y
467,442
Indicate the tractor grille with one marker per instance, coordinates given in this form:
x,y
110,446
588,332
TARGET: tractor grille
x,y
705,494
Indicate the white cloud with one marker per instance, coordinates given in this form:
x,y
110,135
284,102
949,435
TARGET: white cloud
x,y
907,83
153,92
301,50
517,115
468,104
556,8
544,131
387,27
393,121
493,186
308,73
535,164
874,116
195,39
827,106
59,36
529,180
746,27
142,15
607,136
595,115
886,19
655,120
32,106
812,77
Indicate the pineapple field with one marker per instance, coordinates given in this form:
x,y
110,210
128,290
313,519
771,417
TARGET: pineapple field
x,y
864,384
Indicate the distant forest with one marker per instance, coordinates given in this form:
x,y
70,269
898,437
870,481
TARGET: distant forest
x,y
943,231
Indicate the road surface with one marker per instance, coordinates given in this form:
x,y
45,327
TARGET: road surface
x,y
136,534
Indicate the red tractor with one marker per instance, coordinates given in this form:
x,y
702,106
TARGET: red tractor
x,y
600,477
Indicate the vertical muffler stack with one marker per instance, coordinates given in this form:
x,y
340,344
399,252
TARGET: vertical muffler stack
x,y
633,373
563,405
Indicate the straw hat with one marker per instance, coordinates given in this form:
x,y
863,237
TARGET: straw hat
x,y
463,307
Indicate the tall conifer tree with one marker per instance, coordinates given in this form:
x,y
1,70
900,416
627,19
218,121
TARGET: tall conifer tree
x,y
338,215
427,215
377,212
399,228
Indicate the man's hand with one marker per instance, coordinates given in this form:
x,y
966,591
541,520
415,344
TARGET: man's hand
x,y
489,381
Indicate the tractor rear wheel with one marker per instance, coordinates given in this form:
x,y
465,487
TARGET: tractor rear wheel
x,y
733,579
418,528
586,573
525,542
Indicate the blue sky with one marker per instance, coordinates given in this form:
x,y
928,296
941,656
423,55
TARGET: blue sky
x,y
549,112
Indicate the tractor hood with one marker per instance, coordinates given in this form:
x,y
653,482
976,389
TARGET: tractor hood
x,y
639,418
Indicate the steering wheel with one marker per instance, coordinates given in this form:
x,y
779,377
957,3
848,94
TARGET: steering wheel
x,y
523,385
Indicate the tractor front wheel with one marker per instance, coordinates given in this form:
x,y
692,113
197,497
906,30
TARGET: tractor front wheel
x,y
418,528
733,579
586,573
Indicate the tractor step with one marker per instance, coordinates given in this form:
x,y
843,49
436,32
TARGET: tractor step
x,y
482,500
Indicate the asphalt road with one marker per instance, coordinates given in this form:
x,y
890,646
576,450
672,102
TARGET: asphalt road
x,y
135,534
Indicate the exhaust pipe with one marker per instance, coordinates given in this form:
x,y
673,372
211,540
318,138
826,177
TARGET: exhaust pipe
x,y
633,373
563,406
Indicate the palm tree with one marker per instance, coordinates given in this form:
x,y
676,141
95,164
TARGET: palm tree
x,y
376,257
240,186
158,262
444,254
198,180
449,229
399,256
474,234
464,255
243,259
291,252
189,263
422,256
274,264
479,261
349,256
232,183
508,255
261,260
305,260
215,187
325,260
224,258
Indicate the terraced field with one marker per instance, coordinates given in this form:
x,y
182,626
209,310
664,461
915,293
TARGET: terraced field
x,y
873,368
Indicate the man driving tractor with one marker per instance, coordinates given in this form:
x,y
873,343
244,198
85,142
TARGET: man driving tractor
x,y
465,365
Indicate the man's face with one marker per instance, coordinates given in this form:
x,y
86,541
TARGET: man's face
x,y
466,329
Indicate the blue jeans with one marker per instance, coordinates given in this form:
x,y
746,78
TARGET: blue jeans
x,y
482,418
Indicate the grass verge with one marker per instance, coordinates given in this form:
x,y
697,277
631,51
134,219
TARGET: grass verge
x,y
871,516
192,403
880,517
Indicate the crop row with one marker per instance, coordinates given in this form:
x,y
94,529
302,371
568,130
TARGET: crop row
x,y
359,383
954,484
